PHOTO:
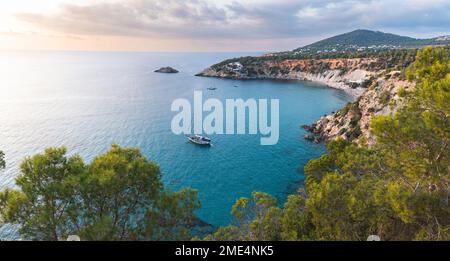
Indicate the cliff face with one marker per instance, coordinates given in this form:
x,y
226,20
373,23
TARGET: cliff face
x,y
353,121
375,89
351,75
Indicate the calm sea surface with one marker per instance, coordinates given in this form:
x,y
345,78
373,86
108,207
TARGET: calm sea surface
x,y
86,101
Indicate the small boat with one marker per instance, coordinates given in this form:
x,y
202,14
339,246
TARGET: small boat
x,y
212,88
200,140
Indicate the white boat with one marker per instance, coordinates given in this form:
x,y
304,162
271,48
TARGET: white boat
x,y
200,140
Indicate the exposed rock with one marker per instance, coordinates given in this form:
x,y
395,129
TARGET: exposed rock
x,y
313,138
167,69
309,137
308,128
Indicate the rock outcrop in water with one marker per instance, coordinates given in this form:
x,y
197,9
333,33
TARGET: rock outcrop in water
x,y
166,70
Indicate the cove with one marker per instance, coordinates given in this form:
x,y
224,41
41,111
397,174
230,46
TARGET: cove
x,y
87,101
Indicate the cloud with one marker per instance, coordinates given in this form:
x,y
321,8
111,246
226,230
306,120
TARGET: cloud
x,y
135,18
201,19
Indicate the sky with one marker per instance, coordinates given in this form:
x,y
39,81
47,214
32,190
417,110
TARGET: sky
x,y
207,25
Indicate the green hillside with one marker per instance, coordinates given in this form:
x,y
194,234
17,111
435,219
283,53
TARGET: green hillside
x,y
367,40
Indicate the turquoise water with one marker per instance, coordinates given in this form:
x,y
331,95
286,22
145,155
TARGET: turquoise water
x,y
87,101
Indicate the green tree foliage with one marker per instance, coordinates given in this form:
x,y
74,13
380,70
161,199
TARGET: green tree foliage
x,y
397,189
119,196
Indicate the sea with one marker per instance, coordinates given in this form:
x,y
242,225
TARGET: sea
x,y
87,101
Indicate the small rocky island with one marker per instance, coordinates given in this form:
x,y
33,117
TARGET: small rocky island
x,y
167,69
